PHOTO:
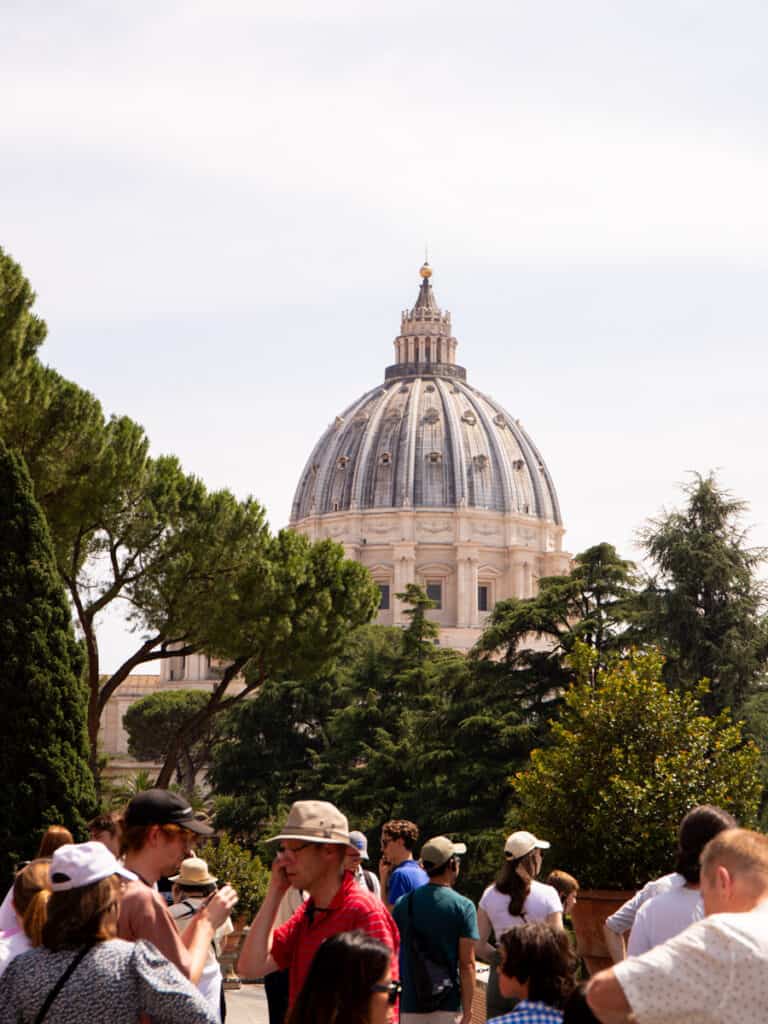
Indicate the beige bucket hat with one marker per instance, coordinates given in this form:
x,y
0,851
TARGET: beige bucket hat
x,y
193,871
315,821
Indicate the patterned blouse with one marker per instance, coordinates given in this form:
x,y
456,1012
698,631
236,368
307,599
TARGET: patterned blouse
x,y
114,982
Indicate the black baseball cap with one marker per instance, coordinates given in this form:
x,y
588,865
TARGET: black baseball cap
x,y
161,807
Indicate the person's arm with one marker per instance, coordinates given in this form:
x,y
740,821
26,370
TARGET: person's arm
x,y
200,931
617,925
483,947
145,915
615,943
555,920
640,937
255,958
467,978
606,998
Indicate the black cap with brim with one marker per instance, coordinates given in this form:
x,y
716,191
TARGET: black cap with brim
x,y
161,807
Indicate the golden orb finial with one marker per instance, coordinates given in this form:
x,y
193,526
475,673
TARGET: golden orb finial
x,y
426,270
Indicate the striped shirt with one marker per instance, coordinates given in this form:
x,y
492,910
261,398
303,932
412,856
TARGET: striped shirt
x,y
295,943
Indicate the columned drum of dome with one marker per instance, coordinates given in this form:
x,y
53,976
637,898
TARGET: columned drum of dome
x,y
425,479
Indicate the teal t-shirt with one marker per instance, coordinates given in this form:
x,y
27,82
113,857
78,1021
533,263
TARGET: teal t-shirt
x,y
442,917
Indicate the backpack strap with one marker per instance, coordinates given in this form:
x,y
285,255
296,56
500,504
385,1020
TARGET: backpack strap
x,y
60,984
368,878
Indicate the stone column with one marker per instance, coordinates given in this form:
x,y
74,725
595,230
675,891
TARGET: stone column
x,y
466,587
404,573
474,614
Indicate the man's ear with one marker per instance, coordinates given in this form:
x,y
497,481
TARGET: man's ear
x,y
153,836
723,881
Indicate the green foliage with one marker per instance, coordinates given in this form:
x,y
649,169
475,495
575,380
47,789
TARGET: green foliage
x,y
706,604
265,752
152,722
21,332
593,604
382,735
754,716
233,865
626,761
44,748
120,792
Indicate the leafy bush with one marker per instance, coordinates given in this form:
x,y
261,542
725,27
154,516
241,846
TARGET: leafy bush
x,y
627,760
234,865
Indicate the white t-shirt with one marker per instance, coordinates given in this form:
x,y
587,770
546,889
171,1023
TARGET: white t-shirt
x,y
8,919
663,917
541,901
12,944
715,972
624,917
210,981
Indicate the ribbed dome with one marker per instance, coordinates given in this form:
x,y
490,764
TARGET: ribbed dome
x,y
425,439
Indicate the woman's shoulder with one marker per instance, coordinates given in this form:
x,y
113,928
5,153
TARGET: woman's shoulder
x,y
545,894
490,893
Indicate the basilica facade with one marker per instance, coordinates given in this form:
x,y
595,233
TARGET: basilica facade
x,y
424,479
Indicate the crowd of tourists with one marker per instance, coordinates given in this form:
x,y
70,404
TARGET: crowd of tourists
x,y
86,933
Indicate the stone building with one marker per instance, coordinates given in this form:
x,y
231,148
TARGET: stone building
x,y
424,479
194,672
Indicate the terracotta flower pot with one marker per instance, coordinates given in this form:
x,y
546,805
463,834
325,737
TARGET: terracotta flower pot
x,y
588,916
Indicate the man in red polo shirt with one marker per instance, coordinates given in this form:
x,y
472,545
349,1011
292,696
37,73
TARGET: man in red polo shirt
x,y
313,846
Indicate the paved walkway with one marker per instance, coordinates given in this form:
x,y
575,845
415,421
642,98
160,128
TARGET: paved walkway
x,y
247,1005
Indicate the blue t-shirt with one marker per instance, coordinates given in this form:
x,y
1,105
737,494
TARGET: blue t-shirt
x,y
441,917
406,877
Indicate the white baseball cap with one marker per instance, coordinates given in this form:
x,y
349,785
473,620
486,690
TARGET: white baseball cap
x,y
77,864
520,843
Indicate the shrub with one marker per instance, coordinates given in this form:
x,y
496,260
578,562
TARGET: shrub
x,y
627,760
234,865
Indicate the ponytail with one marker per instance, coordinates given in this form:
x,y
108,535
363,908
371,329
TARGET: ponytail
x,y
30,898
514,880
35,916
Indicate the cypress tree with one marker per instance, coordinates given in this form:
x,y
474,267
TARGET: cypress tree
x,y
43,737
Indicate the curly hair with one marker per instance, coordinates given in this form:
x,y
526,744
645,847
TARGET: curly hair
x,y
398,828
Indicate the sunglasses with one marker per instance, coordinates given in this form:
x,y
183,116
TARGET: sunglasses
x,y
392,988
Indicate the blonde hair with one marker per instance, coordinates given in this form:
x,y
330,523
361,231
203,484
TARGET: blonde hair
x,y
739,850
31,891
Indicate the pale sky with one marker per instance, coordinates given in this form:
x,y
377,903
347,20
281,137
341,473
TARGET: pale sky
x,y
223,208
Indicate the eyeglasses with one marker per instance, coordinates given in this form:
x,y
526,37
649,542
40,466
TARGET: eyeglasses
x,y
392,988
294,849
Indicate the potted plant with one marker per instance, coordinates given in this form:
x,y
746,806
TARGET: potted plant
x,y
627,759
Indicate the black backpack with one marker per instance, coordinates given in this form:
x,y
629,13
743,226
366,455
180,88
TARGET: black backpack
x,y
434,978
